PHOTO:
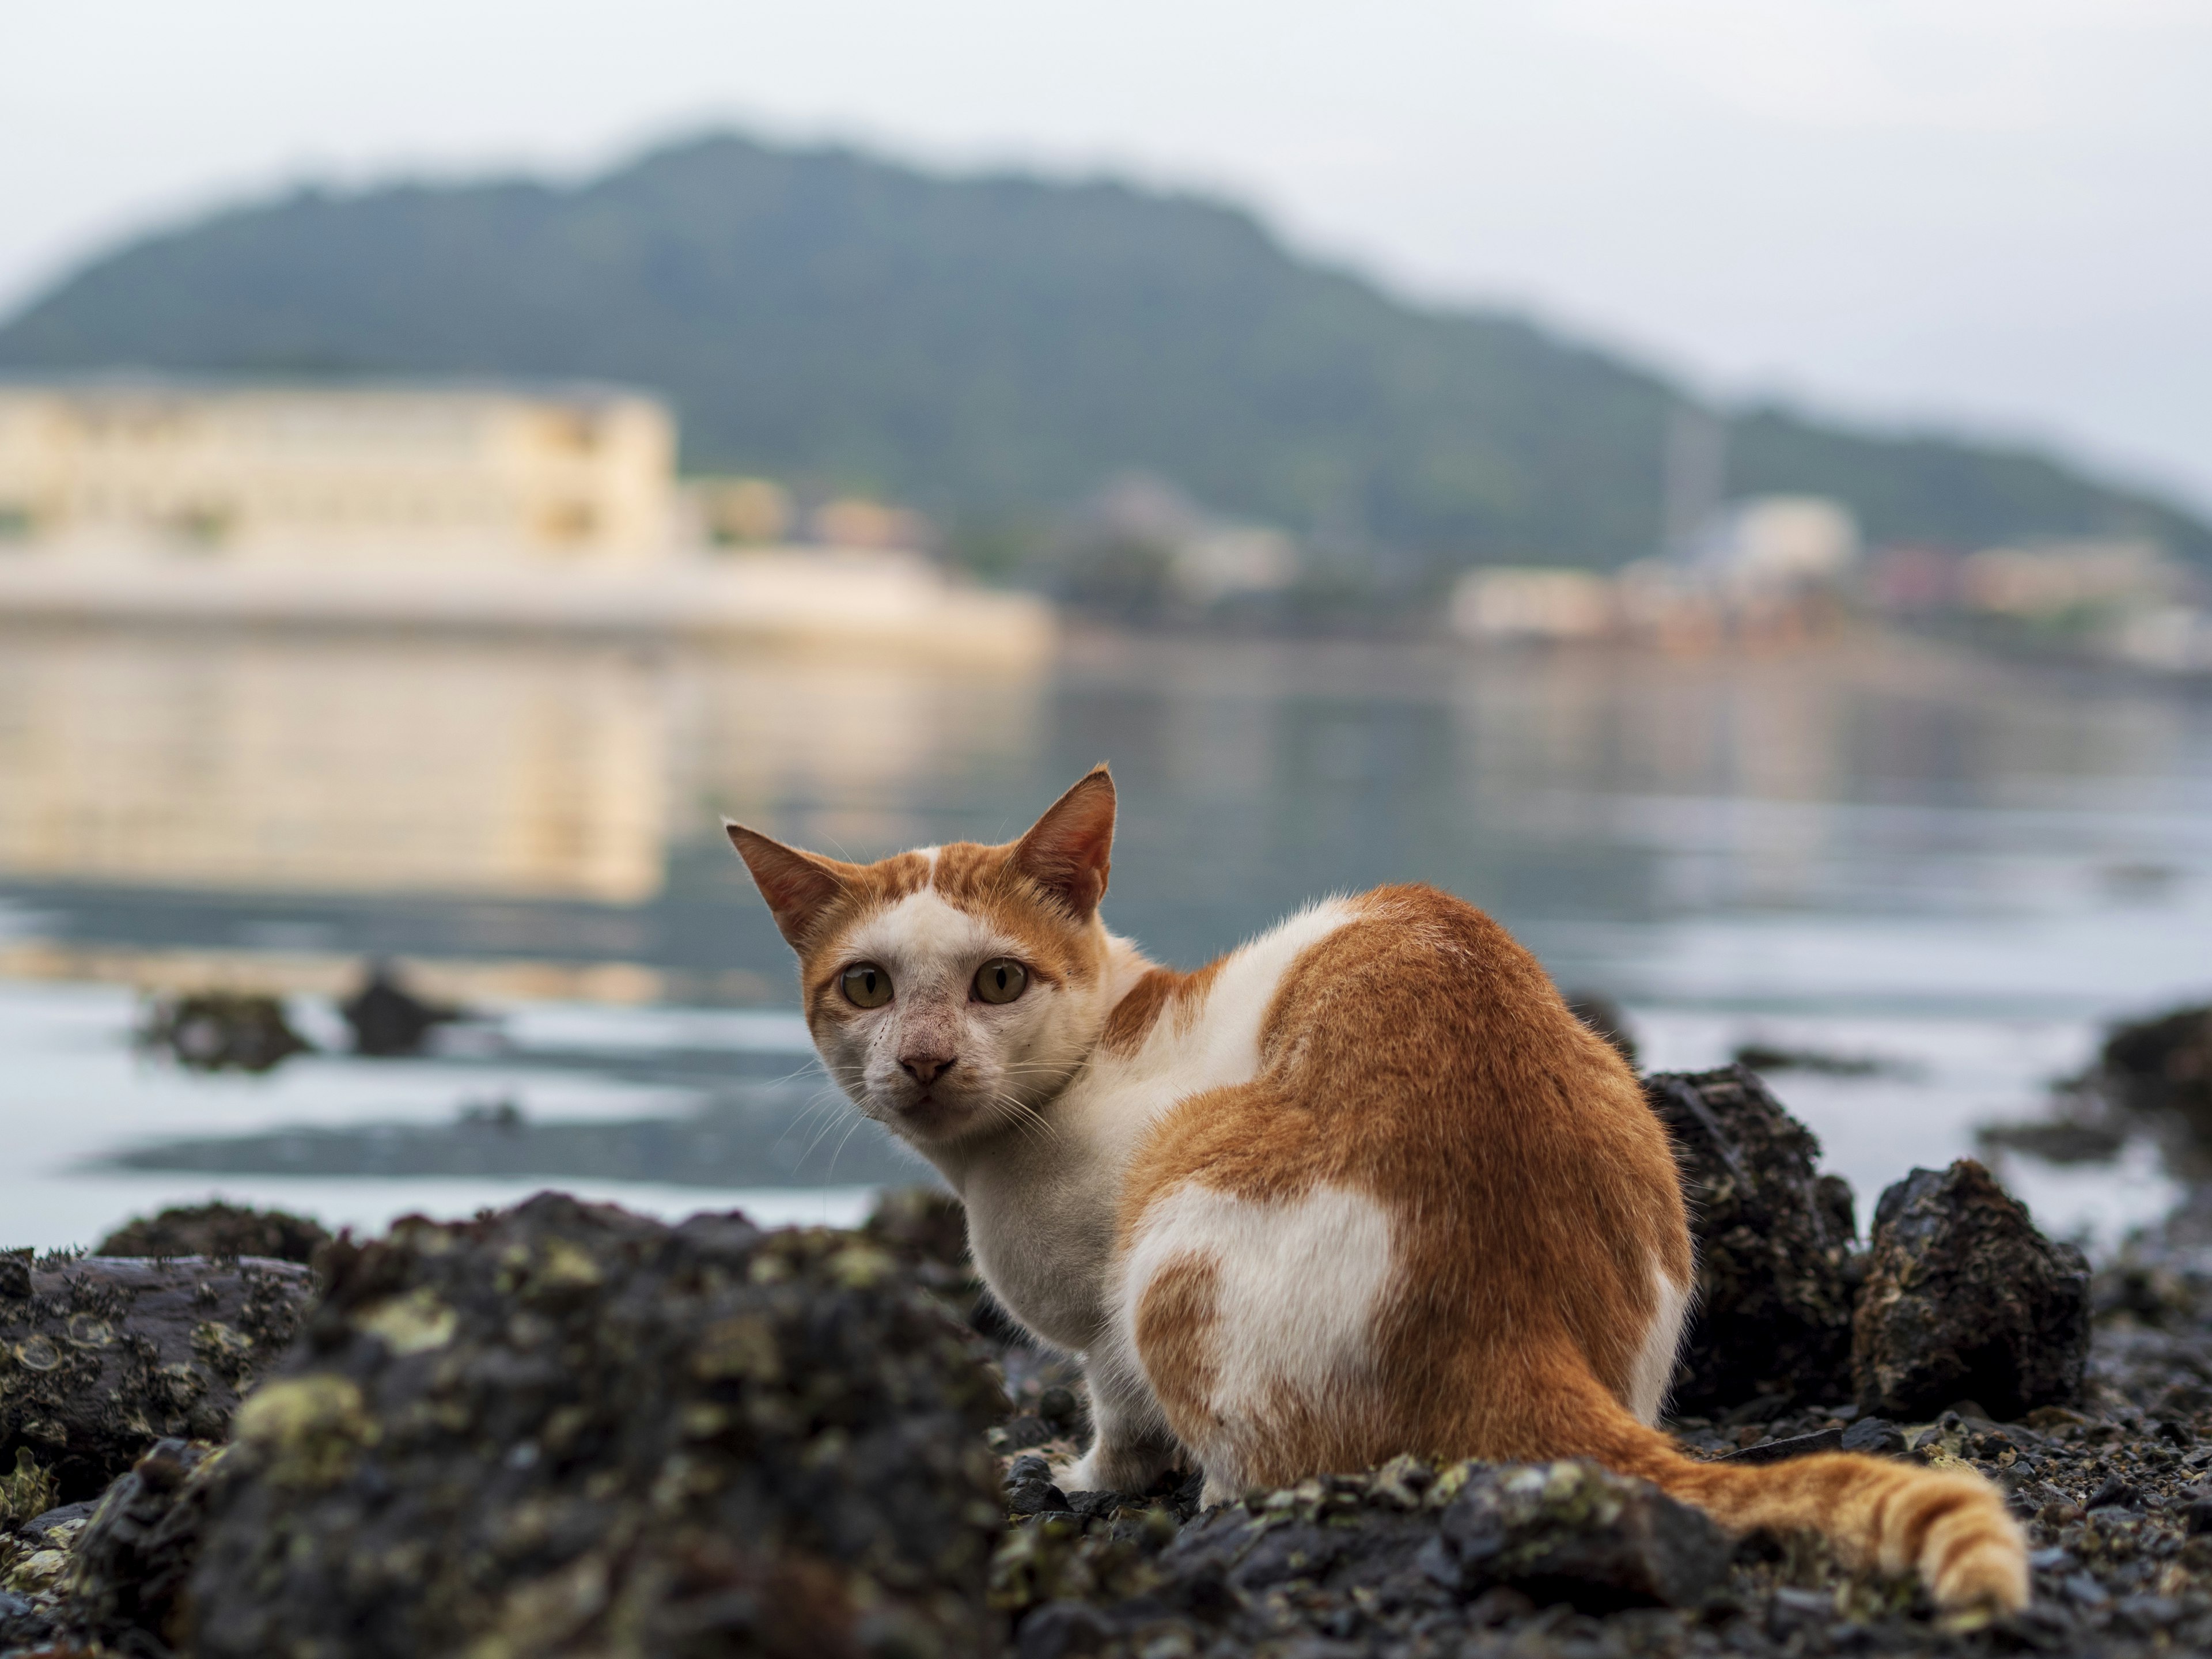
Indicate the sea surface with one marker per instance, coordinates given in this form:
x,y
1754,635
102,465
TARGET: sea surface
x,y
1946,873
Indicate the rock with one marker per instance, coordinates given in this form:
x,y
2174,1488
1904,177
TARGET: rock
x,y
107,1355
1775,1238
218,1230
1965,1298
1877,1436
54,1522
134,1558
2116,1492
1780,1451
1030,1490
1771,1057
563,1429
2162,1065
387,1019
222,1030
21,1622
1558,1532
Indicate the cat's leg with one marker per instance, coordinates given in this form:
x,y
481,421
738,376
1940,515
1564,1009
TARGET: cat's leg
x,y
1130,1446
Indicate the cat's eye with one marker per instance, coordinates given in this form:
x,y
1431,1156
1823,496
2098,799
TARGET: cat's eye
x,y
1001,979
866,985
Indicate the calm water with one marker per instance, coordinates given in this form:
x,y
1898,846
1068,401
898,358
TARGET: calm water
x,y
1958,867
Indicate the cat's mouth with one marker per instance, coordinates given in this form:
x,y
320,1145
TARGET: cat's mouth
x,y
928,1113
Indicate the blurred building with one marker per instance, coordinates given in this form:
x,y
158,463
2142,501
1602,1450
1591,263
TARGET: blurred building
x,y
1514,602
732,512
506,509
326,473
1143,547
856,522
2058,582
1774,541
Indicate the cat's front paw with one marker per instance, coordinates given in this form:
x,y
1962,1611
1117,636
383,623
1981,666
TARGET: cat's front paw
x,y
1081,1473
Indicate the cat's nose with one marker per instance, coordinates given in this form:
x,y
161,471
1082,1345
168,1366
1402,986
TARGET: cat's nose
x,y
925,1069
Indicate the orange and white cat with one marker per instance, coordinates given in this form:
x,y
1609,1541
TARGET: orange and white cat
x,y
1362,1187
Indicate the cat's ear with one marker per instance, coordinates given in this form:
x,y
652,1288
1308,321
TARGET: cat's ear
x,y
1069,851
797,886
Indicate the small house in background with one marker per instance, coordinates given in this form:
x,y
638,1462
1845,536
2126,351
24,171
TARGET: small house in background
x,y
336,474
732,512
857,521
1142,547
2086,581
1766,543
1534,601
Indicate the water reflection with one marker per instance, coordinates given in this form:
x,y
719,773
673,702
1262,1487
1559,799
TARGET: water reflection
x,y
265,763
1876,848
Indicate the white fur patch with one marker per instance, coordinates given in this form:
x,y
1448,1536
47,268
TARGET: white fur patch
x,y
1663,1340
1222,1047
1300,1281
924,935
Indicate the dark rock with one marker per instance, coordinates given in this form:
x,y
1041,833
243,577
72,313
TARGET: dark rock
x,y
1875,1435
1796,1445
134,1558
107,1355
387,1019
1963,1297
1768,1057
2162,1065
1590,1536
222,1030
1773,1309
1558,1532
35,1530
1030,1490
1793,1610
21,1624
1059,1629
564,1429
2115,1493
218,1230
1607,1019
1059,1406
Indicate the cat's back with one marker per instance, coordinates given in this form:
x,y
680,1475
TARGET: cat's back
x,y
1368,1035
1396,977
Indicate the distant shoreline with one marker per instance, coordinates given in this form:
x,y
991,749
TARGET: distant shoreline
x,y
884,599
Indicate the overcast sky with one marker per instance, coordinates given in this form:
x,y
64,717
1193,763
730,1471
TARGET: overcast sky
x,y
1990,212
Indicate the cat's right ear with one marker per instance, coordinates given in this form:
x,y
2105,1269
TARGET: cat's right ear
x,y
1069,852
797,886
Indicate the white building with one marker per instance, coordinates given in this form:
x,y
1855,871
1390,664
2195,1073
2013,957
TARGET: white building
x,y
322,474
1764,542
1533,602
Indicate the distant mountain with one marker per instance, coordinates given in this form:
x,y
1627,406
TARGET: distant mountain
x,y
992,348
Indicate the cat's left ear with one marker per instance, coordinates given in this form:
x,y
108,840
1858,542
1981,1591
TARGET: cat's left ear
x,y
1069,851
797,886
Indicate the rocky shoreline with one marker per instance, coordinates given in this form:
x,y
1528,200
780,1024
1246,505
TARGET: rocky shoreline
x,y
563,1429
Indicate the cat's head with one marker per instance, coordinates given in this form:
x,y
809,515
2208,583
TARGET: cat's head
x,y
951,990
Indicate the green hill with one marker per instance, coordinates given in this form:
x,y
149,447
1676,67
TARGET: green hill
x,y
992,348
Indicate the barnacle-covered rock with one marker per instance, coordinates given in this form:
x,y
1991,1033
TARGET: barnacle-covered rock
x,y
1964,1299
101,1357
2162,1067
1772,1315
218,1230
222,1030
565,1429
134,1554
1407,1545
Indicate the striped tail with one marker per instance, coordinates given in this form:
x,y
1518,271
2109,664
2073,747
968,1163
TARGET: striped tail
x,y
1950,1526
